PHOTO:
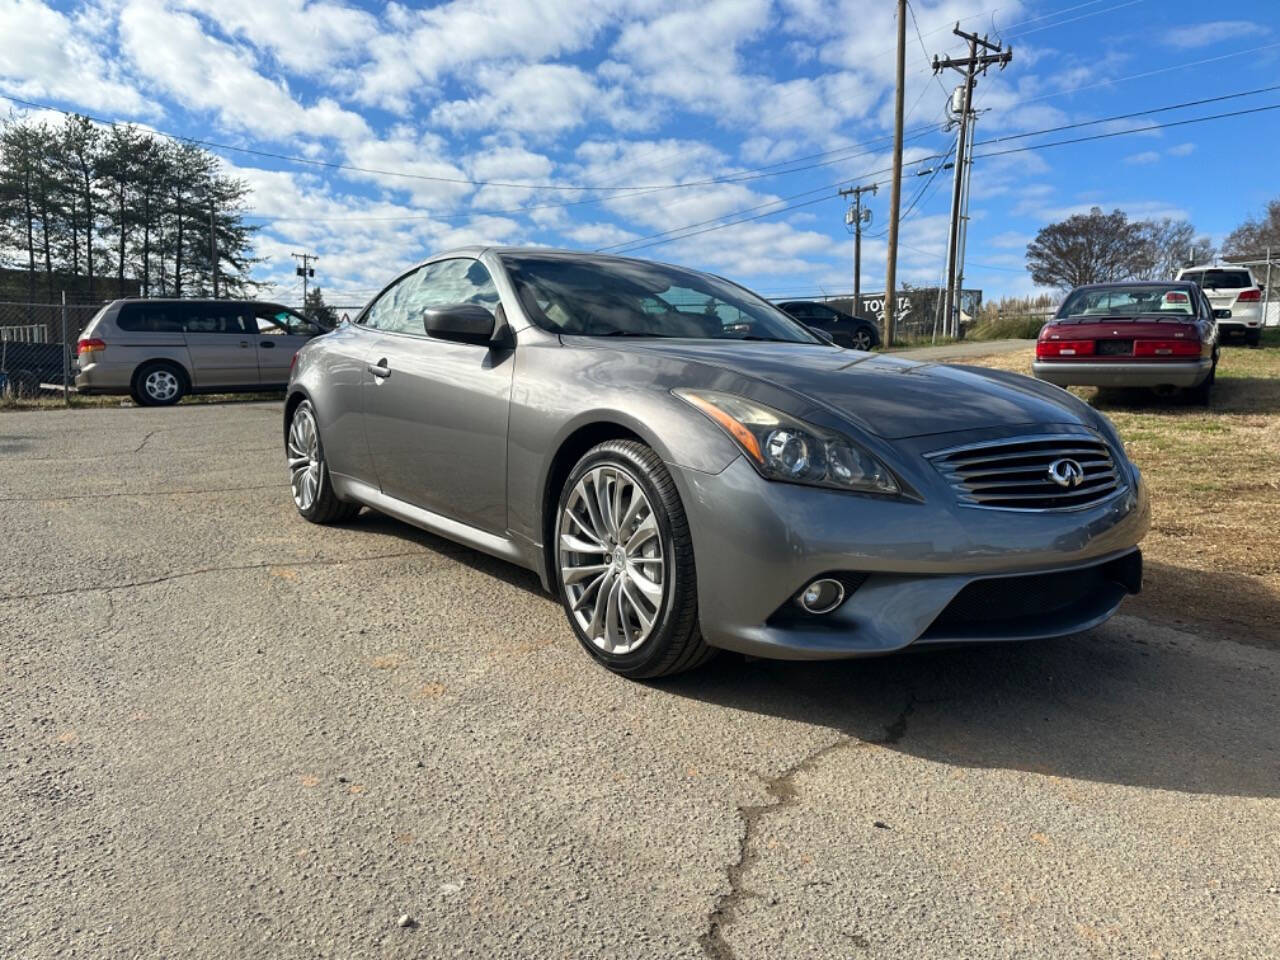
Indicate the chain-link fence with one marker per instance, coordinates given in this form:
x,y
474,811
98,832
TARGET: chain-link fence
x,y
917,316
38,346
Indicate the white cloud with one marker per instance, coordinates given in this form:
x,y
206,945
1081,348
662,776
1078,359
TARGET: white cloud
x,y
1182,150
423,46
1211,32
538,100
172,50
47,55
310,39
1145,158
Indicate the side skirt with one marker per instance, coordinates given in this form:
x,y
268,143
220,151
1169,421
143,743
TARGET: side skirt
x,y
350,489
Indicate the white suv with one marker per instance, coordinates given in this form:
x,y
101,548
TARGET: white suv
x,y
1234,290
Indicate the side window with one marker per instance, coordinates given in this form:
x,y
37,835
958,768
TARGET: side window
x,y
440,284
151,317
214,318
391,310
277,321
449,282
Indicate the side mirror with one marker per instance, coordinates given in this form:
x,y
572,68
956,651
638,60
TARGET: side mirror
x,y
460,322
821,335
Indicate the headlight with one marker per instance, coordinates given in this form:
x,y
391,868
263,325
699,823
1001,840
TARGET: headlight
x,y
784,448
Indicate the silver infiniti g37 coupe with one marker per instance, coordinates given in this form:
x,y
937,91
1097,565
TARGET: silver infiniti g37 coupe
x,y
688,468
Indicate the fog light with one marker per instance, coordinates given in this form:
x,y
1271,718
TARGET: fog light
x,y
821,596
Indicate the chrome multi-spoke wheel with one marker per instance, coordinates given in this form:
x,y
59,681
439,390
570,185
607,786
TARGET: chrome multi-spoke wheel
x,y
313,492
611,559
304,458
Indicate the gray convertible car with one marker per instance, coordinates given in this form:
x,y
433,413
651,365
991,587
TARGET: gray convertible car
x,y
689,469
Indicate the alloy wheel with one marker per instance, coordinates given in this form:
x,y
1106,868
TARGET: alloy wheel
x,y
862,339
161,385
304,458
611,560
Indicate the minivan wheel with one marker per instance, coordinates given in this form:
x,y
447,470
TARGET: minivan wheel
x,y
308,476
159,384
624,563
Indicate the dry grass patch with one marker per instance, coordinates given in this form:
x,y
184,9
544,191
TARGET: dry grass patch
x,y
1213,554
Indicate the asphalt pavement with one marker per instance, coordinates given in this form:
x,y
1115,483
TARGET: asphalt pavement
x,y
228,733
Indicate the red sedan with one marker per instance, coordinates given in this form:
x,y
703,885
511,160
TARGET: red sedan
x,y
1161,335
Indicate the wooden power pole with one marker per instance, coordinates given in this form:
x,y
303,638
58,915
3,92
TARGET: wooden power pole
x,y
857,217
969,67
895,195
305,271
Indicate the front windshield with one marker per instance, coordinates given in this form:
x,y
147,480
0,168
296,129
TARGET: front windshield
x,y
1129,301
603,296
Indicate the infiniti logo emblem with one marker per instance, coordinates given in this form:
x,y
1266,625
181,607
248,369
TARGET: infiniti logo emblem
x,y
1066,473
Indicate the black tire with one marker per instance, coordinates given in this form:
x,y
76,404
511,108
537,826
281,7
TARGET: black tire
x,y
325,507
675,642
1252,338
863,338
159,384
1200,394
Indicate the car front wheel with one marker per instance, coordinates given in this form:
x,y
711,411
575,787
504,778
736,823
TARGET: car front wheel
x,y
862,339
624,563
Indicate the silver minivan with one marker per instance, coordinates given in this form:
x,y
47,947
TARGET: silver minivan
x,y
158,351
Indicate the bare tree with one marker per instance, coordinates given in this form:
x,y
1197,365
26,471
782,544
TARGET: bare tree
x,y
1172,245
1093,247
1256,234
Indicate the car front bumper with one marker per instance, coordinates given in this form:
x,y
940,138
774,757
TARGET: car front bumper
x,y
1123,374
921,572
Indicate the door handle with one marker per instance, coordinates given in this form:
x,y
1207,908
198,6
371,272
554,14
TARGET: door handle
x,y
380,369
266,343
244,344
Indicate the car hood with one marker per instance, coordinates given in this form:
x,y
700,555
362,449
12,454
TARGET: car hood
x,y
891,397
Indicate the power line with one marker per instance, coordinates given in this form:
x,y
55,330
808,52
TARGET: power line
x,y
663,238
1122,133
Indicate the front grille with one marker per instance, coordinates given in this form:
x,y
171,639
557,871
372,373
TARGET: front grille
x,y
1015,474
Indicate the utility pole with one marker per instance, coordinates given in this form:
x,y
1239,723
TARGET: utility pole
x,y
305,271
857,216
213,250
895,196
969,67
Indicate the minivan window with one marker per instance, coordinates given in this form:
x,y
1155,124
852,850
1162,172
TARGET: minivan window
x,y
151,317
215,318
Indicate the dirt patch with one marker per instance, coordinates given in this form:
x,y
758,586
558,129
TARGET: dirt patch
x,y
1213,553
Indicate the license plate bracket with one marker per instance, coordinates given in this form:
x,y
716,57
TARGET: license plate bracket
x,y
1114,348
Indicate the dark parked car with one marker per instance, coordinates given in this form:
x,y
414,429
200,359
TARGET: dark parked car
x,y
1142,334
857,333
689,468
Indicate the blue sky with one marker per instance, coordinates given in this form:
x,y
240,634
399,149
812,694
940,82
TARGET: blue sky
x,y
612,94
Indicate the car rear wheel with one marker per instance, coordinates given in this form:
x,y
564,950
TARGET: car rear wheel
x,y
159,385
308,475
624,563
1252,338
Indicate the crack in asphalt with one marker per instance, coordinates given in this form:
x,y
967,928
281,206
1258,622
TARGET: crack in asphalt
x,y
150,434
229,568
141,493
782,793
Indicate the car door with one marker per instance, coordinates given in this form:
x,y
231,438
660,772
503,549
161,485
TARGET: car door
x,y
435,411
220,345
280,334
